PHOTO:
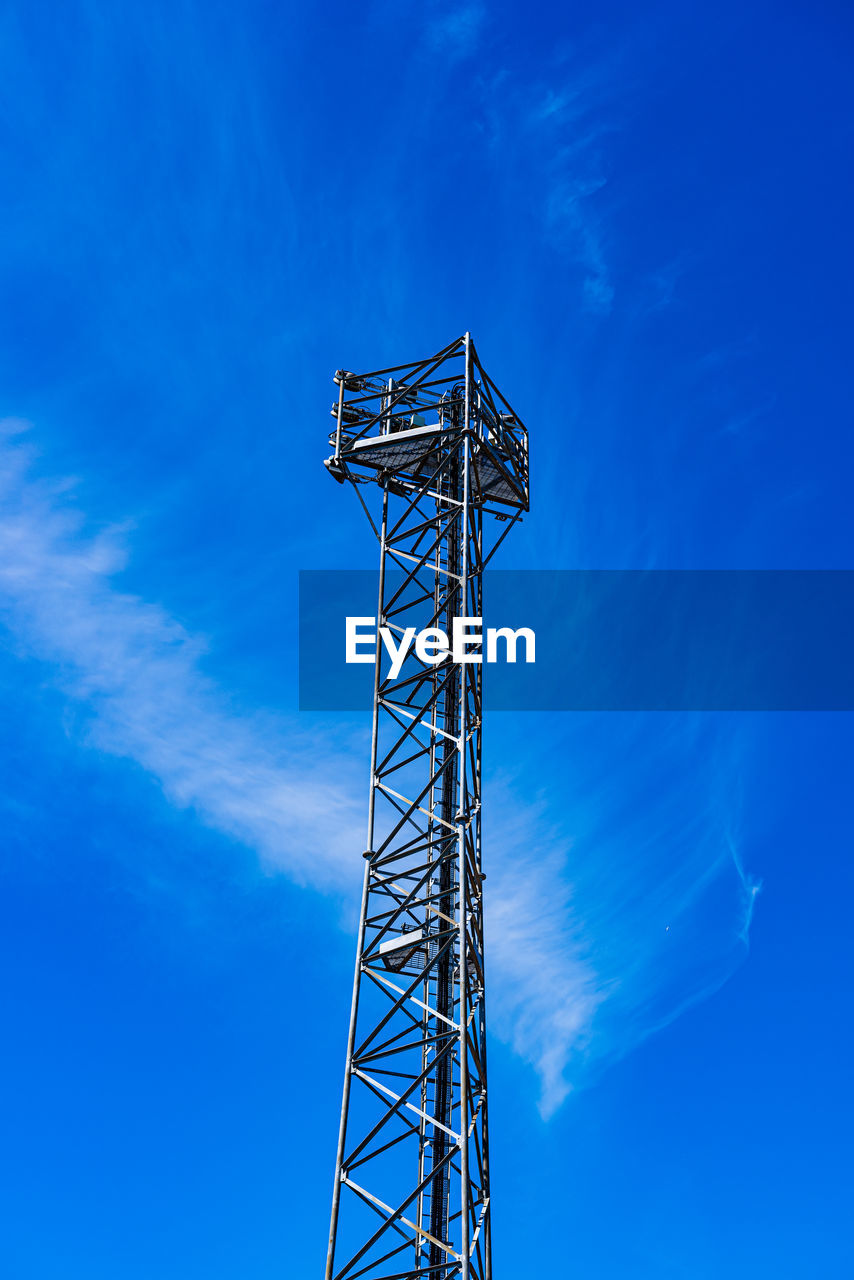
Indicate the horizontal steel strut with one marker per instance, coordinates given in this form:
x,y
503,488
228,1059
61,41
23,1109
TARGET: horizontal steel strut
x,y
446,458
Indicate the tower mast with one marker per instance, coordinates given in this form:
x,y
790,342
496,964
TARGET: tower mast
x,y
439,461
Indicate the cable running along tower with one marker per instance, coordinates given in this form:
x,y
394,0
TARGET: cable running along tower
x,y
439,462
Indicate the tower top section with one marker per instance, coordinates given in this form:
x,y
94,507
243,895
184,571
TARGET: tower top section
x,y
394,426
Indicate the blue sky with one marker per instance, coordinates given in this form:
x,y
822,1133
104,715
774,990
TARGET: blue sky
x,y
642,214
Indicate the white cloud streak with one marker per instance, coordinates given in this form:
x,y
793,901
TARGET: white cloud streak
x,y
552,137
137,672
453,30
619,897
601,926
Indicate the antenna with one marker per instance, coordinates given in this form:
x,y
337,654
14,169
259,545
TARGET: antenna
x,y
439,462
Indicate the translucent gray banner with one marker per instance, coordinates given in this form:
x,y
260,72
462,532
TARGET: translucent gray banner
x,y
616,640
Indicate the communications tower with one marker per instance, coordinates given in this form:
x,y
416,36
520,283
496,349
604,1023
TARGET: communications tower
x,y
439,461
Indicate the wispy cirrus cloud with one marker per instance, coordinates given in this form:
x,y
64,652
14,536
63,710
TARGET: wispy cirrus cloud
x,y
612,904
618,897
138,674
571,121
552,133
453,30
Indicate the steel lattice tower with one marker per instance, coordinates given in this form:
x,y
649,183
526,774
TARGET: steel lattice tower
x,y
442,455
